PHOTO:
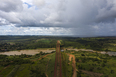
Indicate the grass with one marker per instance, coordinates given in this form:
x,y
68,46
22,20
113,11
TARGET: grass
x,y
45,65
6,71
13,72
96,63
51,63
1,67
44,40
66,65
23,71
88,61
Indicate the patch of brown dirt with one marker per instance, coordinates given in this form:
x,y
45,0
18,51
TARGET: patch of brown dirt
x,y
73,65
58,64
58,42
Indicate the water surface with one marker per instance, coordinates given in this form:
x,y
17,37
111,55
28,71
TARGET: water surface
x,y
28,52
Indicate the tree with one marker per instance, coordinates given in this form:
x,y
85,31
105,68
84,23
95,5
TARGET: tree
x,y
112,71
77,59
82,55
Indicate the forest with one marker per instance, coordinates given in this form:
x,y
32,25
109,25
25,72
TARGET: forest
x,y
9,43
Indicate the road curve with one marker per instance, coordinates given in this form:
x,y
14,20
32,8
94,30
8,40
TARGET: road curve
x,y
73,65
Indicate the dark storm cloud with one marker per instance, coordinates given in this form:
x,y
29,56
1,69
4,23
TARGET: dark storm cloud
x,y
86,12
67,13
9,10
10,5
84,17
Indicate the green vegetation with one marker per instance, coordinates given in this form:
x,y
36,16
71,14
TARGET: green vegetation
x,y
88,64
50,66
66,65
27,65
12,73
8,43
98,44
94,64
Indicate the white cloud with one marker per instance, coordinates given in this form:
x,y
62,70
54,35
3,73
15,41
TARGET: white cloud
x,y
78,17
39,3
12,30
28,1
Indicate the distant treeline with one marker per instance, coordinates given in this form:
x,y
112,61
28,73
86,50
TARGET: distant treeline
x,y
8,43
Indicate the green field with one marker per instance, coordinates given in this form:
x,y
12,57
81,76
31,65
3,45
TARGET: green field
x,y
91,64
23,66
66,65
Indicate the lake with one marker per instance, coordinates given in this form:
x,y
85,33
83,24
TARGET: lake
x,y
28,52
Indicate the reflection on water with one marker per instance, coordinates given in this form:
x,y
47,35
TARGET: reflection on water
x,y
110,53
28,52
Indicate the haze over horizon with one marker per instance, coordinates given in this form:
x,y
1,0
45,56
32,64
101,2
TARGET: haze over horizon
x,y
58,17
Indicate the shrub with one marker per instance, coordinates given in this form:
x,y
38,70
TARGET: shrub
x,y
112,71
82,55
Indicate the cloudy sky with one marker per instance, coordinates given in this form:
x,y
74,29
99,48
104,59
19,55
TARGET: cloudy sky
x,y
58,17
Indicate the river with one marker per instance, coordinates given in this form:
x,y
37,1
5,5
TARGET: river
x,y
110,53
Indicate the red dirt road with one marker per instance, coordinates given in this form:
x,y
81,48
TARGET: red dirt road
x,y
43,56
58,64
73,65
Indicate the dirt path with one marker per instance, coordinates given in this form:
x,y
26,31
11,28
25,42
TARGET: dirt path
x,y
73,64
92,74
47,68
44,56
4,68
47,63
58,63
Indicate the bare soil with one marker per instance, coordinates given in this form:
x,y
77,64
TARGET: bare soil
x,y
58,64
73,64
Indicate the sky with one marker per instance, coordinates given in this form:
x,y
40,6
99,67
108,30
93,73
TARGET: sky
x,y
58,17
